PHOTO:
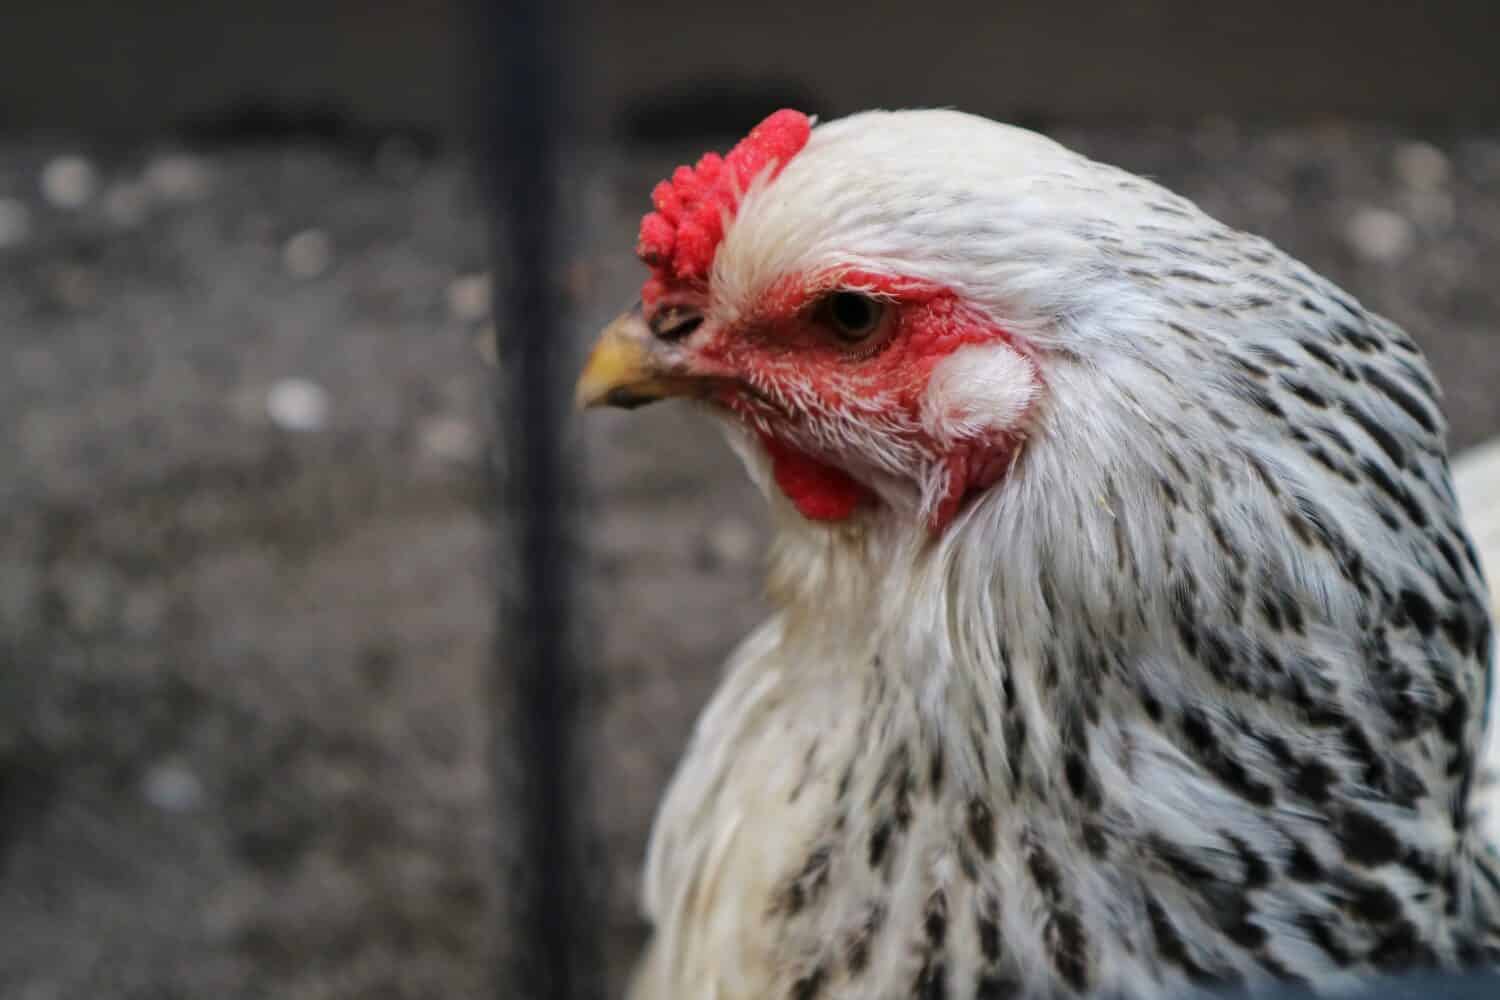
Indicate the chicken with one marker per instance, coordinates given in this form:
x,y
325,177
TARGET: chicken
x,y
1126,639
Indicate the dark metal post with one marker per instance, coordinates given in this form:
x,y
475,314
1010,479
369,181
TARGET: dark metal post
x,y
546,948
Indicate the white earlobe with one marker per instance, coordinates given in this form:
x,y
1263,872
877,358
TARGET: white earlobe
x,y
977,391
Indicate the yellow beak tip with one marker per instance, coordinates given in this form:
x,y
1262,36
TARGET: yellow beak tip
x,y
621,370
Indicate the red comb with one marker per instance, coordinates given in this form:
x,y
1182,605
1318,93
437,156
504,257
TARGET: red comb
x,y
679,239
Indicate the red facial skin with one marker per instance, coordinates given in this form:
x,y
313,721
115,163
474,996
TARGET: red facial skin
x,y
787,342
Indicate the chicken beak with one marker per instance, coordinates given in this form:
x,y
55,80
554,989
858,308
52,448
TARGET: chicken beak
x,y
629,367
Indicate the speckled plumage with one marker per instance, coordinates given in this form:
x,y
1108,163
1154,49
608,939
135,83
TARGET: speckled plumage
x,y
1193,696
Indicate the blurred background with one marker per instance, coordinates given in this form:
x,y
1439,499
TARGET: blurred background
x,y
248,559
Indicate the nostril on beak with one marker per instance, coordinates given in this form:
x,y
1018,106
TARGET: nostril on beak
x,y
675,323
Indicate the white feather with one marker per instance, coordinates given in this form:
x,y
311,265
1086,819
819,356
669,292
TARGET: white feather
x,y
1476,477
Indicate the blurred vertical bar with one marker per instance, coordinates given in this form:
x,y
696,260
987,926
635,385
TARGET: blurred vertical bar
x,y
545,949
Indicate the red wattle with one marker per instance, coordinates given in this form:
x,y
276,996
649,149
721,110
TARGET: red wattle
x,y
819,491
972,468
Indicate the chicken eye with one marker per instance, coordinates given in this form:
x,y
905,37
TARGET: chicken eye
x,y
853,316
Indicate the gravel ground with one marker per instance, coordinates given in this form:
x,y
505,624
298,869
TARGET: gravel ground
x,y
245,575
